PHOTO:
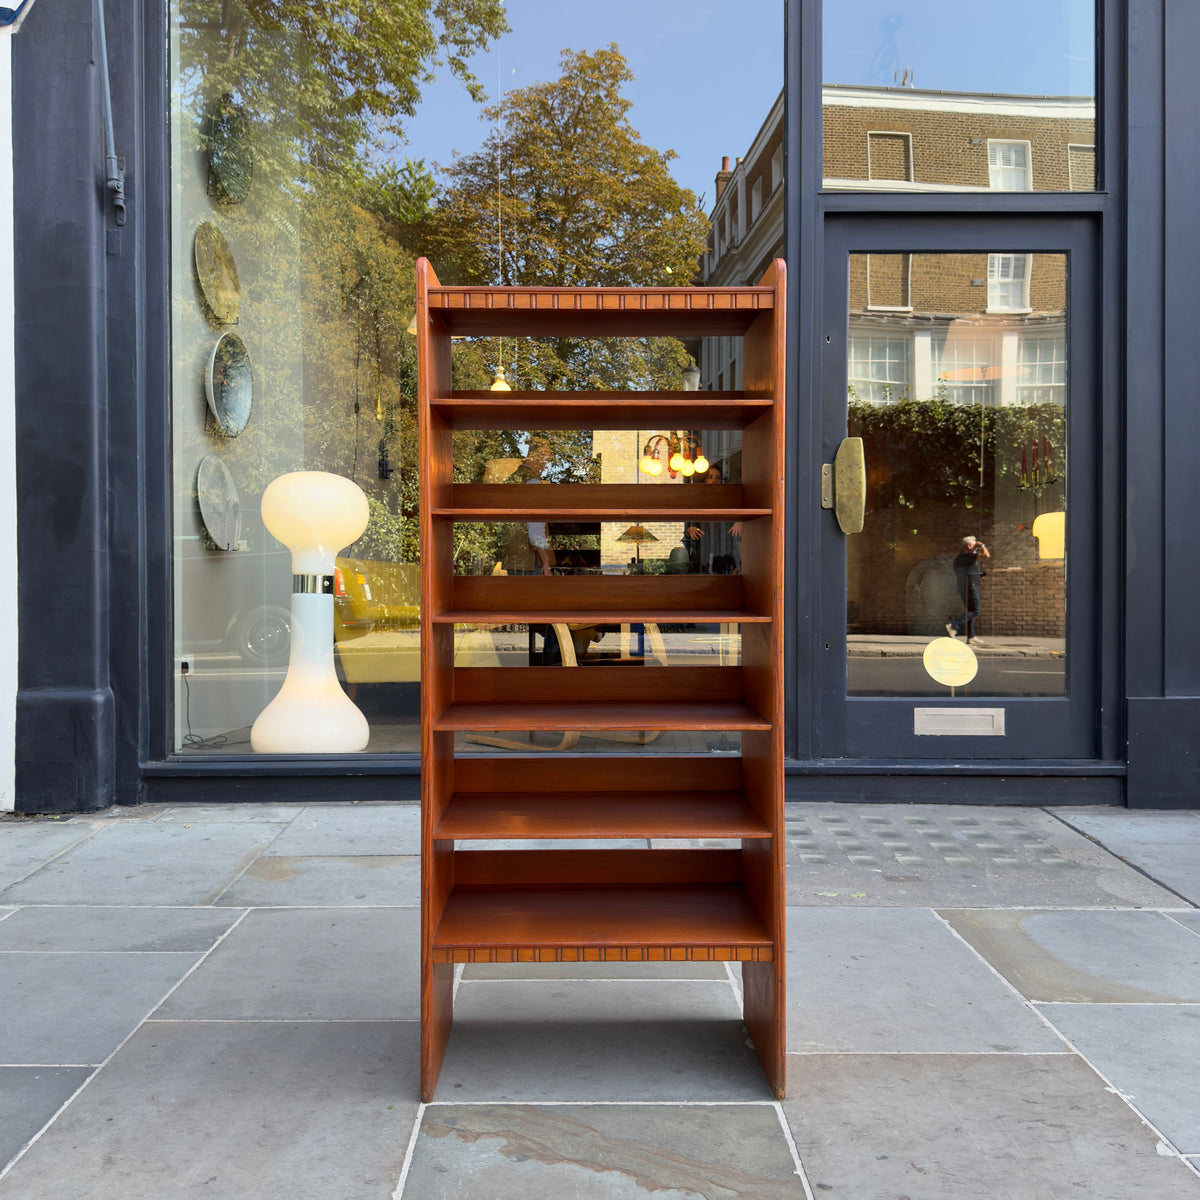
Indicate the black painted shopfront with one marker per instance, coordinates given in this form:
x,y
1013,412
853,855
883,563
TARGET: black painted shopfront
x,y
1048,317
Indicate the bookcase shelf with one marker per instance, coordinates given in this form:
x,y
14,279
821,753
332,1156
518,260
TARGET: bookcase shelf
x,y
624,923
600,410
485,900
483,816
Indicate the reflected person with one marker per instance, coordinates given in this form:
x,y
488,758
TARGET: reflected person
x,y
700,537
966,576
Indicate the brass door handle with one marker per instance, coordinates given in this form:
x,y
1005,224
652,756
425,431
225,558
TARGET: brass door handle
x,y
844,485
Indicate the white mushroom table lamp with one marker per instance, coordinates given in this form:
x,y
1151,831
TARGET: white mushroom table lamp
x,y
314,514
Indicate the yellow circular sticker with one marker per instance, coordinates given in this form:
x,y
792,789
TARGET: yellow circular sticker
x,y
950,662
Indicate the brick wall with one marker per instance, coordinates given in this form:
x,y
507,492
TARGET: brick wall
x,y
945,283
950,148
619,451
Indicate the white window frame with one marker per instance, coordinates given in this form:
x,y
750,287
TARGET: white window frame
x,y
954,353
901,308
873,390
995,278
1041,377
777,167
1091,187
756,199
995,169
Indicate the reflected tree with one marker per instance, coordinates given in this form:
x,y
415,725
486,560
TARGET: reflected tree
x,y
343,75
565,193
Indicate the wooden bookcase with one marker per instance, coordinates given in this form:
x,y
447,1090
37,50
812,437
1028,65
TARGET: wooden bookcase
x,y
583,904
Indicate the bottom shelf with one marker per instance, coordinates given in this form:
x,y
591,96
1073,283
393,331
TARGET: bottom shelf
x,y
615,923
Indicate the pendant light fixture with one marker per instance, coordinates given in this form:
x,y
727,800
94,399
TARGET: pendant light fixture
x,y
683,453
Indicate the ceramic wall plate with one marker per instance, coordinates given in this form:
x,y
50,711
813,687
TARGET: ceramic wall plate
x,y
217,273
229,384
220,507
230,151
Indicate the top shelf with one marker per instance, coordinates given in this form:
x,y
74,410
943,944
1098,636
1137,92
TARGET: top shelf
x,y
600,410
599,312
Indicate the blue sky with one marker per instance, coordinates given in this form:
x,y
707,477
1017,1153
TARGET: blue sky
x,y
1034,47
706,72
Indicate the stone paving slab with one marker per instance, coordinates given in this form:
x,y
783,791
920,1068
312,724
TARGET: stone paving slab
x,y
29,1097
959,856
235,1111
601,1152
214,814
76,1009
897,980
1166,845
108,929
26,845
594,1041
148,862
333,830
1148,1052
974,1127
309,964
1093,956
338,882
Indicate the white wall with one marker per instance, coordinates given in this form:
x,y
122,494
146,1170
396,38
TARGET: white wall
x,y
8,417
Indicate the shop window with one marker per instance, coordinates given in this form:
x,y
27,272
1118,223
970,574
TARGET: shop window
x,y
313,159
977,446
980,98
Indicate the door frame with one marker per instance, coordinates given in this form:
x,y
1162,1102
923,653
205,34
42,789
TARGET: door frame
x,y
1045,730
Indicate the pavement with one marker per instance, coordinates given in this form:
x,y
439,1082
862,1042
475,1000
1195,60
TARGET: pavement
x,y
888,645
221,1001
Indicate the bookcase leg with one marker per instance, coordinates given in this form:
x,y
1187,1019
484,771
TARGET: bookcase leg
x,y
762,988
437,1014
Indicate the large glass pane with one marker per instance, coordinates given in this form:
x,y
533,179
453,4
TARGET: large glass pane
x,y
927,95
317,151
960,396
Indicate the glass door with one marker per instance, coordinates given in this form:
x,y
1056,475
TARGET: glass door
x,y
959,561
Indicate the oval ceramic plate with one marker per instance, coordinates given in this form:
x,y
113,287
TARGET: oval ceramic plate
x,y
220,506
217,273
229,384
230,151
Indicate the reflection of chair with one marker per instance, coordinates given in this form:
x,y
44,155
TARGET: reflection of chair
x,y
653,639
570,737
569,639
